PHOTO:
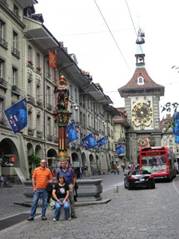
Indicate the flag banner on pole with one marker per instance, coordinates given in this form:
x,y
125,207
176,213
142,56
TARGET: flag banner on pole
x,y
89,141
120,150
176,123
17,115
176,139
52,59
71,131
102,141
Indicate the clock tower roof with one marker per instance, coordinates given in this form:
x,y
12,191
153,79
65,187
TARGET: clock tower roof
x,y
141,83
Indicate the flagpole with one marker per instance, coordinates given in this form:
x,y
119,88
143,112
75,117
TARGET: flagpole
x,y
62,115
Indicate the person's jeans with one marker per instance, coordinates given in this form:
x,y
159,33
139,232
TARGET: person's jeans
x,y
39,193
58,207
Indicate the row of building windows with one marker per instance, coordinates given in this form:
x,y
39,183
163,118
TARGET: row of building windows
x,y
14,72
15,40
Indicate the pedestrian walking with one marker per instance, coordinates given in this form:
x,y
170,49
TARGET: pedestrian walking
x,y
67,172
61,195
75,191
40,178
123,167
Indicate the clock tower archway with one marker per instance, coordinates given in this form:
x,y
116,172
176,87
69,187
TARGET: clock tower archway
x,y
142,97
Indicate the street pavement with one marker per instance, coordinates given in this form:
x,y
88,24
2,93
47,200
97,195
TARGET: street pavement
x,y
131,214
8,196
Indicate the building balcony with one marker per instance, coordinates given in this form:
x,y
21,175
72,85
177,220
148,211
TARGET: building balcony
x,y
15,52
3,83
55,139
29,79
2,121
3,43
30,99
48,76
17,14
31,131
74,146
4,2
38,83
49,106
39,102
50,137
30,64
121,140
39,134
38,70
15,90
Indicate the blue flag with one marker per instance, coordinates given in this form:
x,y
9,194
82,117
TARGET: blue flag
x,y
176,123
17,115
102,141
89,141
176,139
72,133
120,150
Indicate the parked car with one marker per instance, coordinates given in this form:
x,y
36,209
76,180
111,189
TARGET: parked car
x,y
139,179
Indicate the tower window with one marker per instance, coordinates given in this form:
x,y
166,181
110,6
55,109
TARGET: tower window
x,y
140,80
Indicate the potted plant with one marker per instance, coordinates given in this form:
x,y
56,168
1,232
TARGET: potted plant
x,y
34,161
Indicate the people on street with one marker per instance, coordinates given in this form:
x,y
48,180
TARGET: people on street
x,y
50,187
40,178
61,195
75,189
66,170
123,167
114,168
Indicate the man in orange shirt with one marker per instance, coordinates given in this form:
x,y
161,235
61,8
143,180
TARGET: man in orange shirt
x,y
40,179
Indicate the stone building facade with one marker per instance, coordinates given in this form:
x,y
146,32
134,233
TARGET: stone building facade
x,y
25,73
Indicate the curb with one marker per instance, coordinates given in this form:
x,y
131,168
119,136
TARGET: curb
x,y
88,203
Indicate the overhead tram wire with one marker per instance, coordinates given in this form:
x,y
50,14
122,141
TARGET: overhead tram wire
x,y
130,14
112,35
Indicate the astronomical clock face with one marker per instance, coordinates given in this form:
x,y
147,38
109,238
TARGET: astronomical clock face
x,y
142,114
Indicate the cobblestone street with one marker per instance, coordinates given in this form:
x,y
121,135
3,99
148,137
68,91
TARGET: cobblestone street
x,y
131,214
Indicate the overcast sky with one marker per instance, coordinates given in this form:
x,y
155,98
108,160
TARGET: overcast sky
x,y
111,61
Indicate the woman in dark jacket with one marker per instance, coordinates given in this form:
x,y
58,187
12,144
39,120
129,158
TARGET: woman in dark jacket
x,y
61,195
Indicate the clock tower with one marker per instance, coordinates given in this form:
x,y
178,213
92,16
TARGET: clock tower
x,y
142,97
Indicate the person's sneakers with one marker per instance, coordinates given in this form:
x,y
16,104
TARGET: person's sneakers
x,y
54,219
73,216
44,218
30,219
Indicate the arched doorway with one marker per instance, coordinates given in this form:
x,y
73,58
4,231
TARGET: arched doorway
x,y
52,158
109,160
38,151
84,164
84,161
92,164
30,153
98,164
8,153
76,164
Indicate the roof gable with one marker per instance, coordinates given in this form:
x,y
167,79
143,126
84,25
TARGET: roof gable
x,y
148,86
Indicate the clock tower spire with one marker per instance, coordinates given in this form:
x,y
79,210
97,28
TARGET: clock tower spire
x,y
140,56
142,96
